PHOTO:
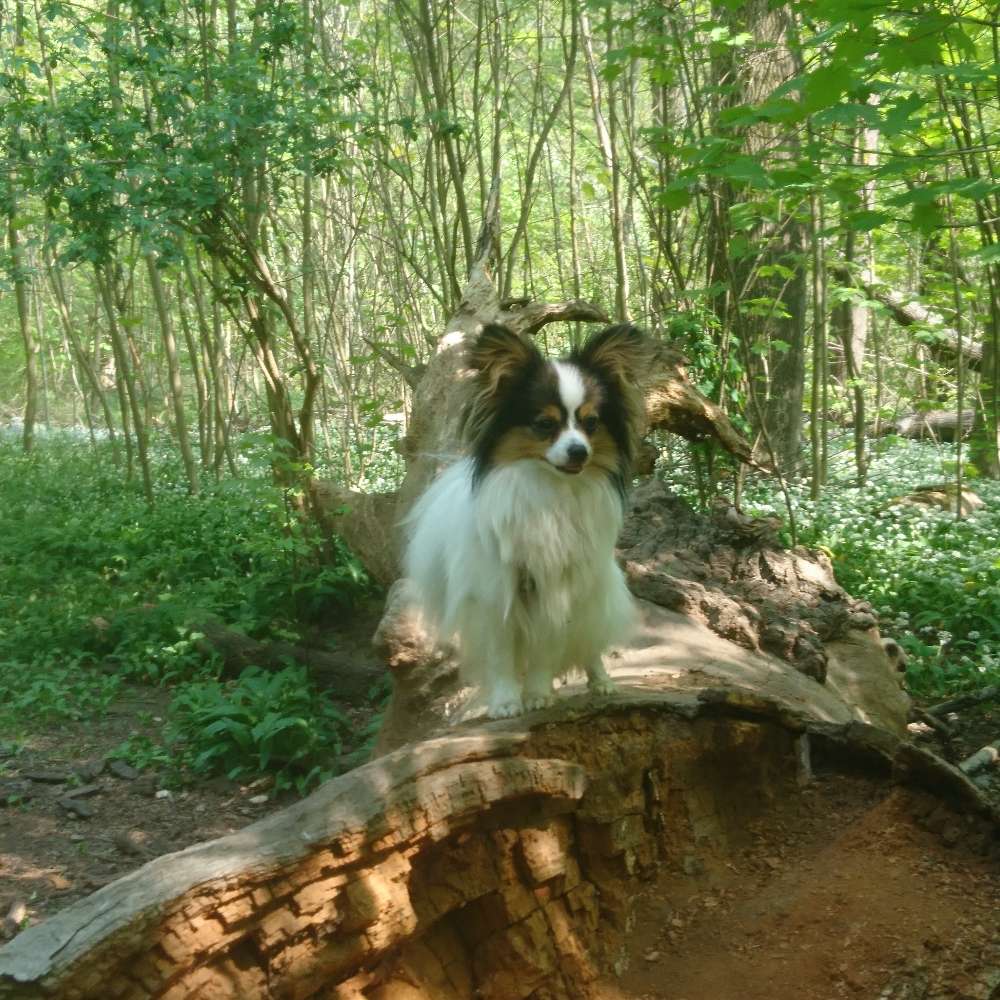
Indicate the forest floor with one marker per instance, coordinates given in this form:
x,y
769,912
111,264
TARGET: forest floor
x,y
881,903
74,817
839,894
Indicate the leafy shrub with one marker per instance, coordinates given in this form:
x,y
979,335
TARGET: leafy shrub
x,y
52,691
96,587
264,722
88,572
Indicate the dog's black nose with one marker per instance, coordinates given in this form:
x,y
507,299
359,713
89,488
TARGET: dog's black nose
x,y
576,454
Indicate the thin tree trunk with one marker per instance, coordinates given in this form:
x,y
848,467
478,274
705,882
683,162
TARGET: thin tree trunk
x,y
128,394
83,362
173,372
20,274
606,146
24,326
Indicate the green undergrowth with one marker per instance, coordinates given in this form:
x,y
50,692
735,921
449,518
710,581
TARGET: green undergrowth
x,y
97,588
933,579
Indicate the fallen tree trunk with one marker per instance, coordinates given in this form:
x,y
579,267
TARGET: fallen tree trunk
x,y
344,677
938,425
719,595
984,757
908,311
992,692
499,862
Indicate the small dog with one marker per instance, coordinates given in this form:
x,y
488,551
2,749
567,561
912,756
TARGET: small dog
x,y
512,548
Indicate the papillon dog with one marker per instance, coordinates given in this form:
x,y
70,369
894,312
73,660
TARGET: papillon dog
x,y
511,549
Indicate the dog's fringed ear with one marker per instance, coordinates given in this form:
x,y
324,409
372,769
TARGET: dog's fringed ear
x,y
497,353
622,352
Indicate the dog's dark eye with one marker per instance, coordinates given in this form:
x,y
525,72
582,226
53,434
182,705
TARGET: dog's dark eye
x,y
545,426
589,424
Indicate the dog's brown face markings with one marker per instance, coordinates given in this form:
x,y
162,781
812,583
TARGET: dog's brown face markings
x,y
580,413
547,418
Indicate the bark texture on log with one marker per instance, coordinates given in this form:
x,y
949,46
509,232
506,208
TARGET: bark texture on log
x,y
732,573
938,425
723,603
942,495
907,310
499,863
343,677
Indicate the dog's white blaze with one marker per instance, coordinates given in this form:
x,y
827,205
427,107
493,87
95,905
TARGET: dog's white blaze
x,y
571,388
572,392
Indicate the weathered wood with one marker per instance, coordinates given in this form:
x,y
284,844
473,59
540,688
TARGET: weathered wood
x,y
939,725
674,404
945,496
938,425
368,522
984,757
500,861
345,678
956,704
908,310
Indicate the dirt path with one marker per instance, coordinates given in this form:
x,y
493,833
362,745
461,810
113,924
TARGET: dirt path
x,y
71,820
846,896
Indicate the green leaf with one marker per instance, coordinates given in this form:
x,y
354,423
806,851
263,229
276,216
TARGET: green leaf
x,y
898,116
926,217
921,47
675,195
745,169
826,85
989,254
866,220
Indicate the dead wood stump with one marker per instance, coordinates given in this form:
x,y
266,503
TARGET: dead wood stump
x,y
370,524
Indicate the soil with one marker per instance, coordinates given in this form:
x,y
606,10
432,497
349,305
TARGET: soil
x,y
843,895
50,855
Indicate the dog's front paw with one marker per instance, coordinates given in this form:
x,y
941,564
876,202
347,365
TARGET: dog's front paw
x,y
504,707
602,686
535,701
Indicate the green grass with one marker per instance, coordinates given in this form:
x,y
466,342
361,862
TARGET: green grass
x,y
97,588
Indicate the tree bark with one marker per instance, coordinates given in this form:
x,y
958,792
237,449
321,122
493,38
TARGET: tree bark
x,y
28,338
20,275
173,372
125,381
939,425
766,309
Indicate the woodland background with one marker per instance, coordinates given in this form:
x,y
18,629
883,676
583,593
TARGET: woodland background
x,y
234,233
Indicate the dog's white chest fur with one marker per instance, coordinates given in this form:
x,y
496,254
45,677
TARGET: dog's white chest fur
x,y
550,529
521,569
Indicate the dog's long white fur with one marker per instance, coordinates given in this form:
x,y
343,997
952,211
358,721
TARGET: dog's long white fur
x,y
520,568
